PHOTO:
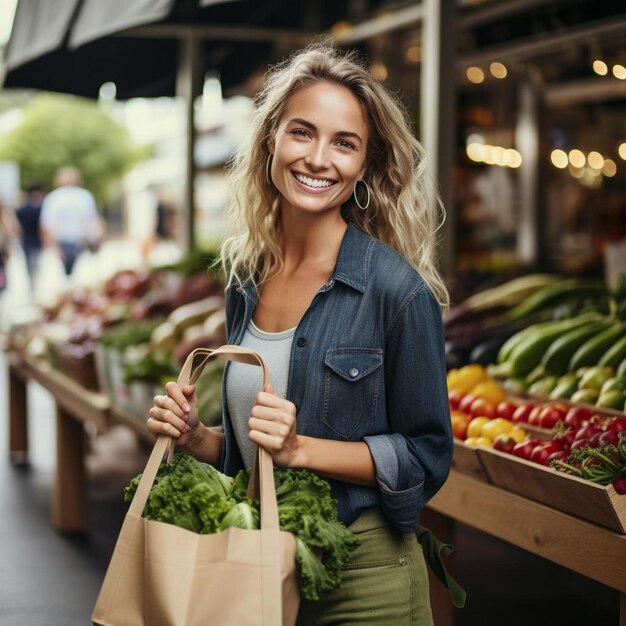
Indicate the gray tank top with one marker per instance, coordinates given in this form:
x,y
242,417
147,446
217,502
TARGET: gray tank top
x,y
243,381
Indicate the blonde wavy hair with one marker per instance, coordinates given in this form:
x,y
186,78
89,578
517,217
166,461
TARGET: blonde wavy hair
x,y
401,213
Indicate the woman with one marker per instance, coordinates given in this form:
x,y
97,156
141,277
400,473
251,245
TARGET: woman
x,y
332,280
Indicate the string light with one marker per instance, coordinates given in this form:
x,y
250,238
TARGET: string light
x,y
609,168
475,75
600,67
619,71
595,160
498,70
622,151
559,159
493,155
576,158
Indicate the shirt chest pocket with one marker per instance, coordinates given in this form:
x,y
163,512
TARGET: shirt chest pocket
x,y
351,388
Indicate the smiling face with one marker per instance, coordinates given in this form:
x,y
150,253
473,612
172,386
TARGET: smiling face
x,y
319,148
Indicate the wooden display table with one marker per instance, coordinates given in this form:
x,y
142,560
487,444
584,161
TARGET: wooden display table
x,y
580,546
74,406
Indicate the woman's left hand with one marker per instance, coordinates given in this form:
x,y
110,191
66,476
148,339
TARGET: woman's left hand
x,y
273,426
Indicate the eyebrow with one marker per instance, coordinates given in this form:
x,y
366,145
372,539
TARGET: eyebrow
x,y
341,133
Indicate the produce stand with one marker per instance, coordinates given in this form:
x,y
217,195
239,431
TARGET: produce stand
x,y
75,405
583,547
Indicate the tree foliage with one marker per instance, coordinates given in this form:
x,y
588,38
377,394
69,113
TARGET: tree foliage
x,y
62,130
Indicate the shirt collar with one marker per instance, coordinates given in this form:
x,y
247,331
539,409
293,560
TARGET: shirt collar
x,y
352,262
354,257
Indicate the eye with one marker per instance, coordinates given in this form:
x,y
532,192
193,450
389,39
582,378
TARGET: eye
x,y
300,132
346,144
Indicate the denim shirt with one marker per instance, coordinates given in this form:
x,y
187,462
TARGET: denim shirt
x,y
367,364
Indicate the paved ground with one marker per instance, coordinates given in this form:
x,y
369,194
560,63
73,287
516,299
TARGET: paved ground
x,y
47,579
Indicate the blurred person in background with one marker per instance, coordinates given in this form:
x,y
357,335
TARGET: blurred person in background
x,y
69,218
9,232
28,215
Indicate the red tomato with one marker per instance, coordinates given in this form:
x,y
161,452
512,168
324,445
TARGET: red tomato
x,y
459,424
506,410
533,416
454,398
576,417
551,415
611,437
560,455
466,403
504,443
482,408
522,412
541,454
617,424
524,448
566,439
586,432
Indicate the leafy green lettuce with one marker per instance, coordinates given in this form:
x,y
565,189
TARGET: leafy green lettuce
x,y
195,496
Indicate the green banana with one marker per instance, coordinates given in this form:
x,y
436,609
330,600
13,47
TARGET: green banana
x,y
593,349
557,357
554,294
615,354
526,354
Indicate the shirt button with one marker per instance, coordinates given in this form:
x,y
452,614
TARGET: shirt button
x,y
354,372
301,342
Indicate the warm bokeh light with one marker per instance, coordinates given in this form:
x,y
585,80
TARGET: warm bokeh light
x,y
414,54
559,159
493,155
498,70
622,151
576,172
600,67
340,28
595,160
379,70
619,71
609,169
514,158
577,158
475,75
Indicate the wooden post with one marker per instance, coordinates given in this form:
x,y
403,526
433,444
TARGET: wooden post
x,y
69,502
442,527
18,418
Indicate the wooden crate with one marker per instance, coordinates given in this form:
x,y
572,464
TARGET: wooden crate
x,y
595,503
467,461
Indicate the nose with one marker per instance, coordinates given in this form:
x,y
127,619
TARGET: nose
x,y
317,157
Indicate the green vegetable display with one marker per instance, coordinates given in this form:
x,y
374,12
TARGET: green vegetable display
x,y
195,496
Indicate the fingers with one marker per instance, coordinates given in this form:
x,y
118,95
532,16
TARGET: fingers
x,y
180,395
275,429
170,413
270,399
167,403
269,442
165,424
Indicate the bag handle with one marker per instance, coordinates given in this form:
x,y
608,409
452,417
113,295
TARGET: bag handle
x,y
262,477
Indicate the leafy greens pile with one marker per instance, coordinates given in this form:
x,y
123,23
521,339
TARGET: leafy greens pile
x,y
195,496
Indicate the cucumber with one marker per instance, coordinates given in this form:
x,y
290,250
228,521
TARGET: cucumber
x,y
510,344
621,369
593,349
527,354
557,357
565,387
615,354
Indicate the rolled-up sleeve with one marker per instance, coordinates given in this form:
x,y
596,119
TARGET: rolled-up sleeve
x,y
413,460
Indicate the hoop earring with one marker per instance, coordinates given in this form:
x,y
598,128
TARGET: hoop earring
x,y
267,169
369,195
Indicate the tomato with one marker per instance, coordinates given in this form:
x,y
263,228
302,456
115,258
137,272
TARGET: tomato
x,y
586,432
541,454
559,455
522,412
466,402
551,415
454,398
525,448
504,443
611,437
576,417
460,422
617,424
481,407
566,439
533,416
505,410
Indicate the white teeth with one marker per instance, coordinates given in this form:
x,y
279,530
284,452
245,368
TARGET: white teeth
x,y
314,182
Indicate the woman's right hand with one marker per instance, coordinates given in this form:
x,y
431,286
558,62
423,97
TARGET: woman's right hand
x,y
175,414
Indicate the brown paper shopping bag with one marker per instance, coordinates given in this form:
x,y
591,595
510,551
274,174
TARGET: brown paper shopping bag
x,y
163,575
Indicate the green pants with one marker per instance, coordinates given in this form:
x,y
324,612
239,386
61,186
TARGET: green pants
x,y
385,583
